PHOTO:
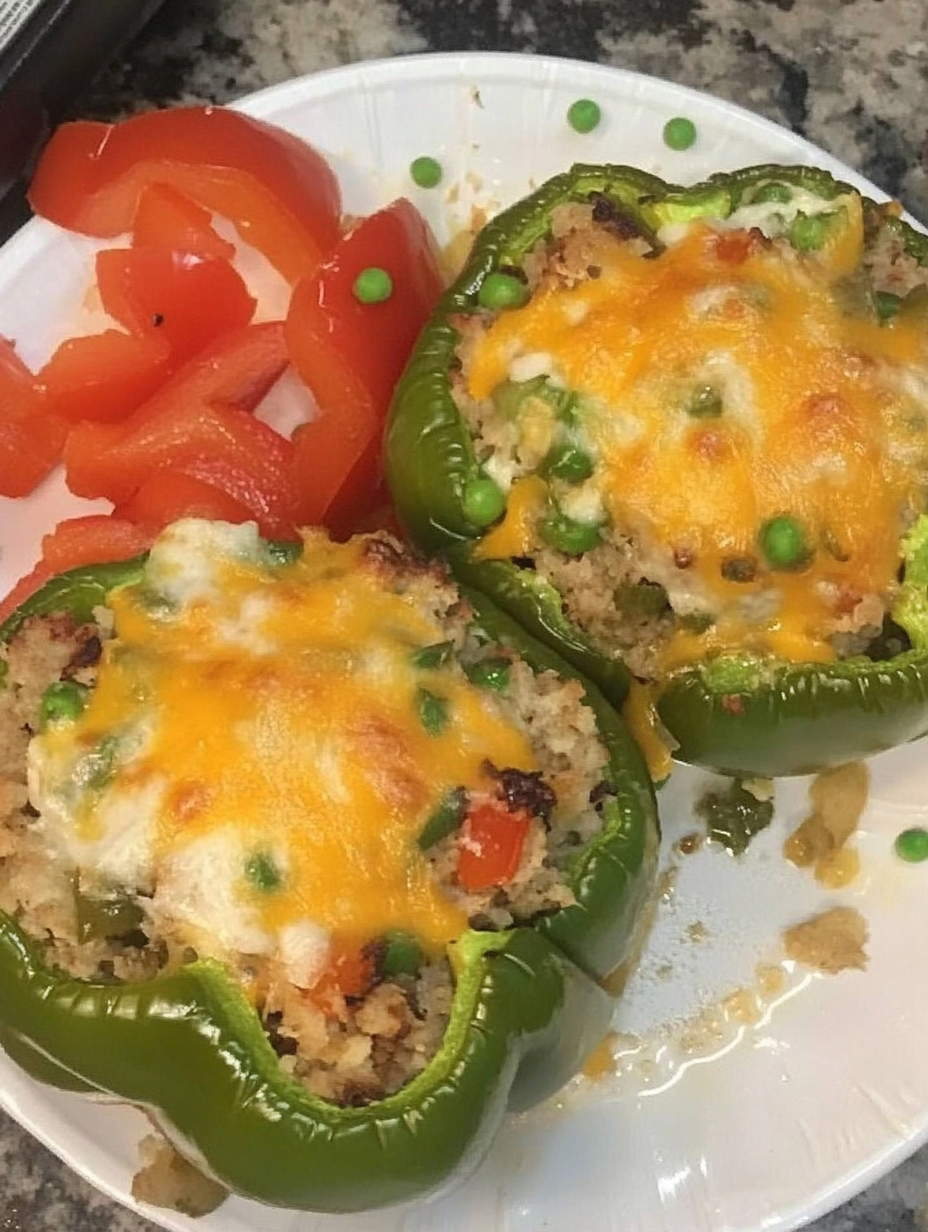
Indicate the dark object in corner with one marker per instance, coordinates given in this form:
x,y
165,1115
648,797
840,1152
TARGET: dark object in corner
x,y
49,52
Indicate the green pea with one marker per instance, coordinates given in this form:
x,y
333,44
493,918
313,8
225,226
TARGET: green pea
x,y
887,305
773,193
402,954
263,873
63,701
569,462
433,711
373,285
912,845
807,232
484,501
679,133
490,674
425,171
570,537
447,817
501,291
706,403
783,542
584,115
436,655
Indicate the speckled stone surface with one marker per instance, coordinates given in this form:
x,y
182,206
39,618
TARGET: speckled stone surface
x,y
851,75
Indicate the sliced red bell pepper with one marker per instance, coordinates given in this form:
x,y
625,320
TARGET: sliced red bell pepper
x,y
31,437
103,377
168,494
363,502
217,444
95,539
279,192
350,355
490,847
182,300
165,218
200,423
237,370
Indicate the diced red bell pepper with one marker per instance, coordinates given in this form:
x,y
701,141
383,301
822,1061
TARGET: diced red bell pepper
x,y
490,848
350,973
166,218
173,297
279,192
168,495
734,247
31,437
95,539
351,354
103,377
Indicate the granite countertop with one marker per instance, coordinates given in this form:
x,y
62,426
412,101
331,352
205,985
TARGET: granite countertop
x,y
851,75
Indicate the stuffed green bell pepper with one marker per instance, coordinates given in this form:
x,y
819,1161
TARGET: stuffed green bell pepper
x,y
681,434
310,854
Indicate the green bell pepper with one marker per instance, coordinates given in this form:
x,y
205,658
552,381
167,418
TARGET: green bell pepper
x,y
191,1051
190,1048
732,714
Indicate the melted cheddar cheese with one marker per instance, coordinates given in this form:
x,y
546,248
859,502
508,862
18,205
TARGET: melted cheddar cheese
x,y
254,712
823,418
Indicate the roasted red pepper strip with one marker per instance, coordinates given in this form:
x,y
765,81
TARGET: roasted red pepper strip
x,y
181,300
281,194
491,846
350,355
167,219
31,437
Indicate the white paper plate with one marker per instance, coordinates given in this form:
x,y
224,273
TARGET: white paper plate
x,y
761,1126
